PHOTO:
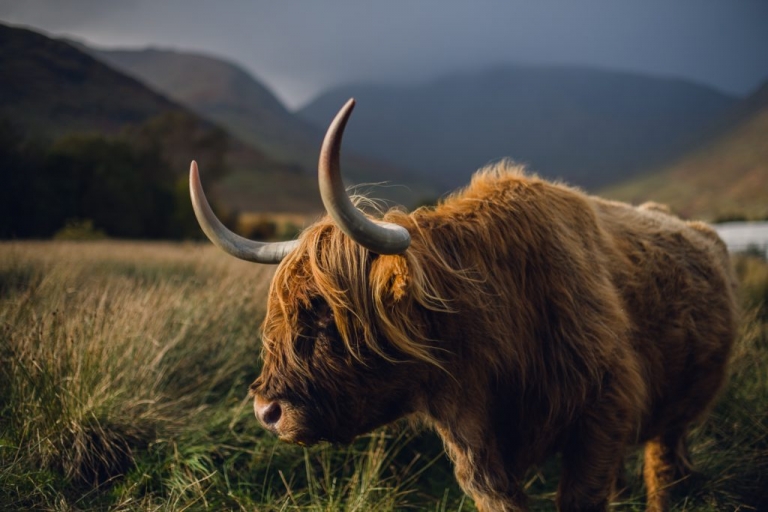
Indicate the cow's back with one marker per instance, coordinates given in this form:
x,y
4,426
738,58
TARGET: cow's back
x,y
678,287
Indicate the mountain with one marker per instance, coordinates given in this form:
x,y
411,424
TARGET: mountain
x,y
590,127
227,94
51,88
218,90
725,177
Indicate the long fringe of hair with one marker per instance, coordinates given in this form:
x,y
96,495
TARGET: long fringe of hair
x,y
372,297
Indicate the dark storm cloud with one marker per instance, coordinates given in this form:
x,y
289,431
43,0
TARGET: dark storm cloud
x,y
299,47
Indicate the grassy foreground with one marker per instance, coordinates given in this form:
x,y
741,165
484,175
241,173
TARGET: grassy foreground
x,y
124,369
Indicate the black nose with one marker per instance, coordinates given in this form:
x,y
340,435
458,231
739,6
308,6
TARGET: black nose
x,y
269,413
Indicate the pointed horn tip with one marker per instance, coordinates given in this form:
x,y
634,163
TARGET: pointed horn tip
x,y
196,186
378,238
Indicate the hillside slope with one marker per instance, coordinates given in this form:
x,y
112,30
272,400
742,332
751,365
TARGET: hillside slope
x,y
590,127
216,89
726,177
227,94
54,89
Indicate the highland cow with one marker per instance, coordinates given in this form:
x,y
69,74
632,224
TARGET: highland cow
x,y
518,318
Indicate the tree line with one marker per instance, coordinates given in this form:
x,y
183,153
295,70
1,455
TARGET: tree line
x,y
131,185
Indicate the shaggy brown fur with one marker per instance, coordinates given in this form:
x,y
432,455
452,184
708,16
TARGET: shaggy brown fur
x,y
526,319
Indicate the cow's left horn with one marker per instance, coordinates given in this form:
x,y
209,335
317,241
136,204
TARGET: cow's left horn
x,y
225,239
378,237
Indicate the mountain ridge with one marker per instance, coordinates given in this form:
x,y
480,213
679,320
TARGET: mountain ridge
x,y
59,90
579,124
225,92
51,67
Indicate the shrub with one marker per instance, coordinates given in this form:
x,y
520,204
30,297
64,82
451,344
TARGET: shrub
x,y
79,230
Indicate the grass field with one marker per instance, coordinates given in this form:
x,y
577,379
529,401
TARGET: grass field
x,y
124,369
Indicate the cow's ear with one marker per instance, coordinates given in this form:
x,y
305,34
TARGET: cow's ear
x,y
390,278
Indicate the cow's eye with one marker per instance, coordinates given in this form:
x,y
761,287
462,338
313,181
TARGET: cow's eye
x,y
321,313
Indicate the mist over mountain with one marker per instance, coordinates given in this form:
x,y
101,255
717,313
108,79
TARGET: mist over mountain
x,y
724,177
589,127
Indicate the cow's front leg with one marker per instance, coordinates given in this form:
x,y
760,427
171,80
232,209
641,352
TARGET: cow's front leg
x,y
481,472
486,481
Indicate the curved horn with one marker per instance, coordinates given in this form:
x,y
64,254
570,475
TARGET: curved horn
x,y
232,243
378,237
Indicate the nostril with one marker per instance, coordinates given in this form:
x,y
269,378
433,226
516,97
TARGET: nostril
x,y
268,413
272,413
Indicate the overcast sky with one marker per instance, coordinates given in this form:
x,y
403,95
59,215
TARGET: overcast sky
x,y
299,48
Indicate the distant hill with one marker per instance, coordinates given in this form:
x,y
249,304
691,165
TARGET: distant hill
x,y
227,94
51,88
590,127
726,177
217,89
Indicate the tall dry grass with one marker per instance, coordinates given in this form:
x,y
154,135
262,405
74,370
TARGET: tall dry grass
x,y
107,347
124,370
123,374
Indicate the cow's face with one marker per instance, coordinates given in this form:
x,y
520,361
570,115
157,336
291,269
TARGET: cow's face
x,y
343,348
315,386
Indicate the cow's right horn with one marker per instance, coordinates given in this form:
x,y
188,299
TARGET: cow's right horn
x,y
225,239
378,237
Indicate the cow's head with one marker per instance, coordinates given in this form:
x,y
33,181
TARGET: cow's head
x,y
344,339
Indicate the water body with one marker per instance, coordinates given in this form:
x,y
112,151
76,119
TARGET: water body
x,y
741,236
